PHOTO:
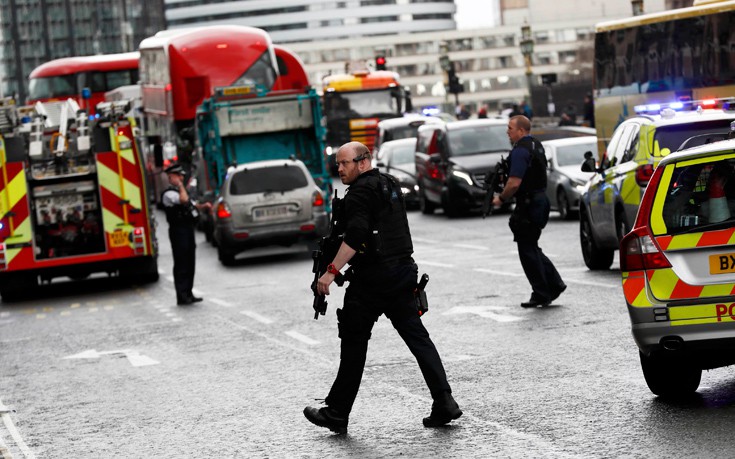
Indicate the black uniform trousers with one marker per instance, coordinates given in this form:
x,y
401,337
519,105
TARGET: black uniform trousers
x,y
183,246
528,219
371,293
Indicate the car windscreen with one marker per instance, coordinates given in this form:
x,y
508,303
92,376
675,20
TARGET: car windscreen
x,y
360,104
699,197
673,136
403,154
402,132
573,155
478,139
267,179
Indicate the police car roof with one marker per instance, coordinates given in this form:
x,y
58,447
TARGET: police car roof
x,y
692,116
710,149
463,124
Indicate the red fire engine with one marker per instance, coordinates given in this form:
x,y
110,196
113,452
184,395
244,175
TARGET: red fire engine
x,y
72,196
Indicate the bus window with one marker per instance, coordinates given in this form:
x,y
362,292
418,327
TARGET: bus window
x,y
45,88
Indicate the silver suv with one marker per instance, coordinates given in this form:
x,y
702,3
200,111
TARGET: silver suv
x,y
611,198
267,203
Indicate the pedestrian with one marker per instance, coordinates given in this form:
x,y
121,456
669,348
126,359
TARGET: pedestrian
x,y
182,214
482,112
527,183
569,115
526,109
589,111
515,111
462,112
377,244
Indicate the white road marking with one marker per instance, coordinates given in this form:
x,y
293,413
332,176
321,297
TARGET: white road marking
x,y
176,319
135,358
170,314
471,247
425,241
500,273
4,314
258,317
220,302
484,311
169,278
434,263
303,338
592,283
5,414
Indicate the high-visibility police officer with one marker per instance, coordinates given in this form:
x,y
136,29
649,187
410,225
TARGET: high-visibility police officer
x,y
527,182
377,244
181,214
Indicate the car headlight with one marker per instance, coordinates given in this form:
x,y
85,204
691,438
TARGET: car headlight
x,y
405,190
579,188
462,175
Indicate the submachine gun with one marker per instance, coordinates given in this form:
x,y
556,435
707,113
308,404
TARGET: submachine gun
x,y
494,183
323,256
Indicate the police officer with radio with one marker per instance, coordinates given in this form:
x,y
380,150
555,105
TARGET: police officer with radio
x,y
527,182
182,214
377,244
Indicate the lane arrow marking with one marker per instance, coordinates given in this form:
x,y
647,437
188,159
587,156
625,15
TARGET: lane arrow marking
x,y
135,358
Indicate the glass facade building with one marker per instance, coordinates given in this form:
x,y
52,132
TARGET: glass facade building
x,y
37,31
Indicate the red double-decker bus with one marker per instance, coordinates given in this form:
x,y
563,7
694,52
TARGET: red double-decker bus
x,y
292,75
67,78
179,68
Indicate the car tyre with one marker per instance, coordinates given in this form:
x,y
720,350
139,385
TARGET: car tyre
x,y
425,206
594,257
670,377
225,256
562,202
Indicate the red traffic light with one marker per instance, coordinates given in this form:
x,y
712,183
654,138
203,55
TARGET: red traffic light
x,y
380,62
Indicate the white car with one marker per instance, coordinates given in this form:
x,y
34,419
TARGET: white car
x,y
267,203
565,181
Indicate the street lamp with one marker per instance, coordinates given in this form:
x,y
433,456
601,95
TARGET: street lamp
x,y
527,51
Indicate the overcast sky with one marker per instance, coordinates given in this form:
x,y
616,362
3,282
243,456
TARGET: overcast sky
x,y
472,14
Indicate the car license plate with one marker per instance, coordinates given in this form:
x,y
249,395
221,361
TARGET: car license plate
x,y
723,263
270,213
119,238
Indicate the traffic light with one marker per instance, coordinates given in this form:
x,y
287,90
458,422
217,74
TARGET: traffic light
x,y
455,86
379,62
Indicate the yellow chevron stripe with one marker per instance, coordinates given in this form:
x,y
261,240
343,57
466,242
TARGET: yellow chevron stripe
x,y
708,159
17,188
128,152
24,230
685,241
113,222
692,312
658,226
662,283
716,290
110,180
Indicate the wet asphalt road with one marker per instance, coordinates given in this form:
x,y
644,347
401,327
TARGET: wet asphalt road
x,y
97,369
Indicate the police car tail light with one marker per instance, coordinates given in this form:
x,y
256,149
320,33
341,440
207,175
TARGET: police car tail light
x,y
638,251
643,174
223,210
317,200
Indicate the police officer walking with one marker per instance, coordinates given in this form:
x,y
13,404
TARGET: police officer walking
x,y
182,215
377,244
527,182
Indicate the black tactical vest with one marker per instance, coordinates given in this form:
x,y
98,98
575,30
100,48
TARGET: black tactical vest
x,y
180,214
535,178
390,239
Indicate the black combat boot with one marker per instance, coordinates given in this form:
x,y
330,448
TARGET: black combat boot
x,y
327,417
443,410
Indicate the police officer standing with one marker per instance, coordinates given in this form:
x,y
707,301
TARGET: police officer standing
x,y
377,244
527,182
182,215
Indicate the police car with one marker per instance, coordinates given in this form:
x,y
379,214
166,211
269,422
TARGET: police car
x,y
678,269
610,199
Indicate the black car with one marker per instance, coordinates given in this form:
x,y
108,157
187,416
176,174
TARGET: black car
x,y
452,161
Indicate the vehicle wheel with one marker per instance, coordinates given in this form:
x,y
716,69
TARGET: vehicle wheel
x,y
621,224
594,257
15,287
427,207
451,211
670,377
226,257
562,202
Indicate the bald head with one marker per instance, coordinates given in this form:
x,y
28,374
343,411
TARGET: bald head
x,y
355,148
353,158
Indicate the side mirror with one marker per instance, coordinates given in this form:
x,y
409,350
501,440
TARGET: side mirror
x,y
589,163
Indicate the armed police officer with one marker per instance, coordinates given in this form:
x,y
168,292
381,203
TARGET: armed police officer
x,y
377,244
527,182
182,214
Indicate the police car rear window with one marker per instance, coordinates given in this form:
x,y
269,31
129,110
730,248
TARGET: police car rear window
x,y
268,179
700,197
673,136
